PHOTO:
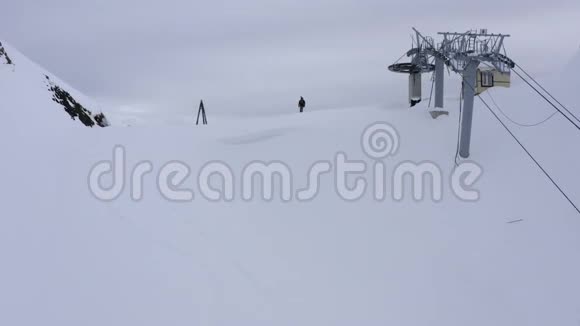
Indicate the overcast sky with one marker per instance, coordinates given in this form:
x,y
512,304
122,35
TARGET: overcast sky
x,y
262,55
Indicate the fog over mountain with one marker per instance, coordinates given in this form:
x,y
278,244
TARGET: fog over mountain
x,y
259,56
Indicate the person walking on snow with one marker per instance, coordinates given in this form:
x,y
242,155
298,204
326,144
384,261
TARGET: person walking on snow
x,y
302,104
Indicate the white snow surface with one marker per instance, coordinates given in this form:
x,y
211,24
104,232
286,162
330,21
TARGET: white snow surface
x,y
25,94
67,258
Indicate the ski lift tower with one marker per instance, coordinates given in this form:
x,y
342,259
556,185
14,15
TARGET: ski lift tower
x,y
463,53
466,51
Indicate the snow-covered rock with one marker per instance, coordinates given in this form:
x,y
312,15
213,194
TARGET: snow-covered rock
x,y
31,95
4,58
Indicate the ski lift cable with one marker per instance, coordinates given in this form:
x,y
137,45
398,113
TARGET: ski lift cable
x,y
530,155
508,117
515,122
547,92
547,100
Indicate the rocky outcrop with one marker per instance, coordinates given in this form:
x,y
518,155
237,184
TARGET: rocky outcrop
x,y
74,108
4,58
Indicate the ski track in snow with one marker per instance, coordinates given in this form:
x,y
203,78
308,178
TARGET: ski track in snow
x,y
258,137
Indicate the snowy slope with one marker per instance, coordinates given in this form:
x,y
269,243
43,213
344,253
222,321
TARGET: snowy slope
x,y
69,259
25,86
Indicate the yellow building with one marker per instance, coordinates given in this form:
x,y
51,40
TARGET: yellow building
x,y
490,77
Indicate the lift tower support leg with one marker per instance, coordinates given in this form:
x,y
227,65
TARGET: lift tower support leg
x,y
469,87
439,83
